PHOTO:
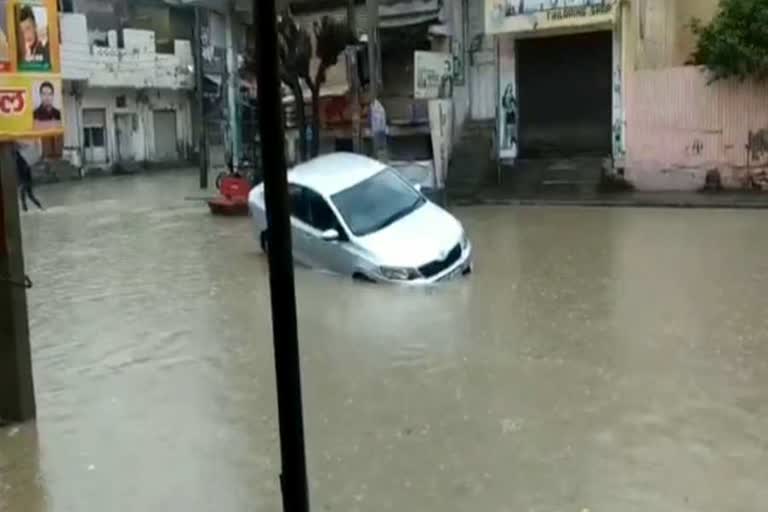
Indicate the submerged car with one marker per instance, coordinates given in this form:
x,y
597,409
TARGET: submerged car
x,y
359,217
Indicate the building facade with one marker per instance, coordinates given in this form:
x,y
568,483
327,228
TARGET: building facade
x,y
127,95
559,79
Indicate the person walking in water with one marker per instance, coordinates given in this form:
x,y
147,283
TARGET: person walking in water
x,y
26,189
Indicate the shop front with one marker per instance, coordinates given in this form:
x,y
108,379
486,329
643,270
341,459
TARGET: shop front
x,y
559,78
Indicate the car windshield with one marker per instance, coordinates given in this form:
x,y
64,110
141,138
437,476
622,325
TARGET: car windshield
x,y
377,202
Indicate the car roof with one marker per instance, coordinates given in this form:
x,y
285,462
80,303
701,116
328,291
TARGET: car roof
x,y
329,174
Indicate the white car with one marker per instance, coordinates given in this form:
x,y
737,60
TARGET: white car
x,y
358,217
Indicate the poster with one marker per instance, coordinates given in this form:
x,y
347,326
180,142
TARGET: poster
x,y
32,37
433,75
508,111
5,43
441,130
31,99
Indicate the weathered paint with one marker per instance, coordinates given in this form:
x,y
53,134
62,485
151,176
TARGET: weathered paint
x,y
680,127
137,64
96,76
657,31
142,105
618,129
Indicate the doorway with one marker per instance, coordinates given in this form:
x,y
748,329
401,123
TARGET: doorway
x,y
483,78
565,97
125,129
94,135
165,135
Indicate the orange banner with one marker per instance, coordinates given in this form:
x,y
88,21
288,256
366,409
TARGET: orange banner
x,y
31,99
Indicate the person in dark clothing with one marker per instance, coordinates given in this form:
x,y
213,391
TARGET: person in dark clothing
x,y
24,173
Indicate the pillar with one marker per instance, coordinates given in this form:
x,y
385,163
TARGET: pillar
x,y
233,86
17,394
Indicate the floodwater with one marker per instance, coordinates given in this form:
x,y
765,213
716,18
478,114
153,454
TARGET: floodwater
x,y
598,359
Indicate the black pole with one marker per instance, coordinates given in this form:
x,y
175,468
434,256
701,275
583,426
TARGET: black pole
x,y
17,390
197,47
286,340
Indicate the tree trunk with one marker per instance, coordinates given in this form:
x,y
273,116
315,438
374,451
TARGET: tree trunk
x,y
301,118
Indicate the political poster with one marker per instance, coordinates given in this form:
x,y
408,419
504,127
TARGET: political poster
x,y
31,99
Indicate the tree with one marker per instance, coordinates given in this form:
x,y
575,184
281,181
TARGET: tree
x,y
331,37
295,51
735,43
295,55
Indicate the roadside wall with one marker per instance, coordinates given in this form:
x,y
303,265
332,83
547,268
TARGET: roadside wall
x,y
680,128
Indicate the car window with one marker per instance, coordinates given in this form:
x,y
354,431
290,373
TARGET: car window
x,y
321,216
377,202
299,204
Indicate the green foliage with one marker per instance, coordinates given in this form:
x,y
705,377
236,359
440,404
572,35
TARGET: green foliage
x,y
735,43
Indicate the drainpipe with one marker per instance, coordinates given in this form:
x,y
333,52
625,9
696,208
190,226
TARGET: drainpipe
x,y
232,84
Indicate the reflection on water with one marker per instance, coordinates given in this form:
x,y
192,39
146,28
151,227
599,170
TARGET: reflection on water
x,y
601,359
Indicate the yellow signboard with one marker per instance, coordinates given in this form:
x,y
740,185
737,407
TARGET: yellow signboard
x,y
31,100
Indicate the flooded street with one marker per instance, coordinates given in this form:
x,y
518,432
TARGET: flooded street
x,y
608,360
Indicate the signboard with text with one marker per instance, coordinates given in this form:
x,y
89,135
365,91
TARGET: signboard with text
x,y
510,16
31,100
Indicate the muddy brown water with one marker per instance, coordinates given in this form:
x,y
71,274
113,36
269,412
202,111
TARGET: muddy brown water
x,y
600,359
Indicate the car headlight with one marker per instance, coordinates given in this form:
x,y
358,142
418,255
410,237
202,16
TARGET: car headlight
x,y
464,242
399,274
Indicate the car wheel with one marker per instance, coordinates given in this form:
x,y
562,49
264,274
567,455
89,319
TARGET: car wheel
x,y
264,242
362,278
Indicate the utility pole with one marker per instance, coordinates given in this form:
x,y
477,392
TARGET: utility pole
x,y
233,88
374,57
374,51
353,77
197,46
293,480
17,390
354,97
352,17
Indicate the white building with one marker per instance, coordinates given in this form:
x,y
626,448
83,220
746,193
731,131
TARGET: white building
x,y
124,103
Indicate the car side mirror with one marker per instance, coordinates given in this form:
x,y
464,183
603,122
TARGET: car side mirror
x,y
330,235
419,187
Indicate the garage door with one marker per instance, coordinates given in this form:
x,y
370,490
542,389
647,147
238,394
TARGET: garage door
x,y
165,135
565,95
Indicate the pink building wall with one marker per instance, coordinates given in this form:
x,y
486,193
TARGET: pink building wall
x,y
680,128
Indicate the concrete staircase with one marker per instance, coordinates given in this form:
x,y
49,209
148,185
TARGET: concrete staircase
x,y
553,176
473,163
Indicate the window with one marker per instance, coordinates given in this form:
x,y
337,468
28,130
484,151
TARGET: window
x,y
322,216
377,202
121,101
309,207
299,204
94,121
94,136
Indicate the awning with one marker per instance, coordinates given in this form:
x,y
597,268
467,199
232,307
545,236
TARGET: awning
x,y
400,13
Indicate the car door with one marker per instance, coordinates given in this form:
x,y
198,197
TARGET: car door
x,y
301,231
333,255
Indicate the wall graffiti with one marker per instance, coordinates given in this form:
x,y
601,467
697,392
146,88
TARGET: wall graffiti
x,y
508,136
508,107
696,148
757,145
